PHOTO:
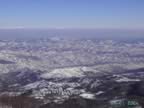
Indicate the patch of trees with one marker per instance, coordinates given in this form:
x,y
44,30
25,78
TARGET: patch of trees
x,y
18,102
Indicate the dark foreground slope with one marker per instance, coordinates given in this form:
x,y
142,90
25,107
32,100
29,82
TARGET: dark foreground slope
x,y
122,90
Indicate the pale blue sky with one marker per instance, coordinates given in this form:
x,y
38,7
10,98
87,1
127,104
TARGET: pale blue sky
x,y
72,14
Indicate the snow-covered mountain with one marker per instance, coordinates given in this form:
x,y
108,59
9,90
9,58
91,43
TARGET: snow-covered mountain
x,y
55,70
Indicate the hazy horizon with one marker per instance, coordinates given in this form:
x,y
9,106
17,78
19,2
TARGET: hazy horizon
x,y
116,34
108,19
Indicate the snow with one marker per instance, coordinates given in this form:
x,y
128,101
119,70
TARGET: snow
x,y
125,79
63,73
32,85
60,58
99,92
87,96
68,53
